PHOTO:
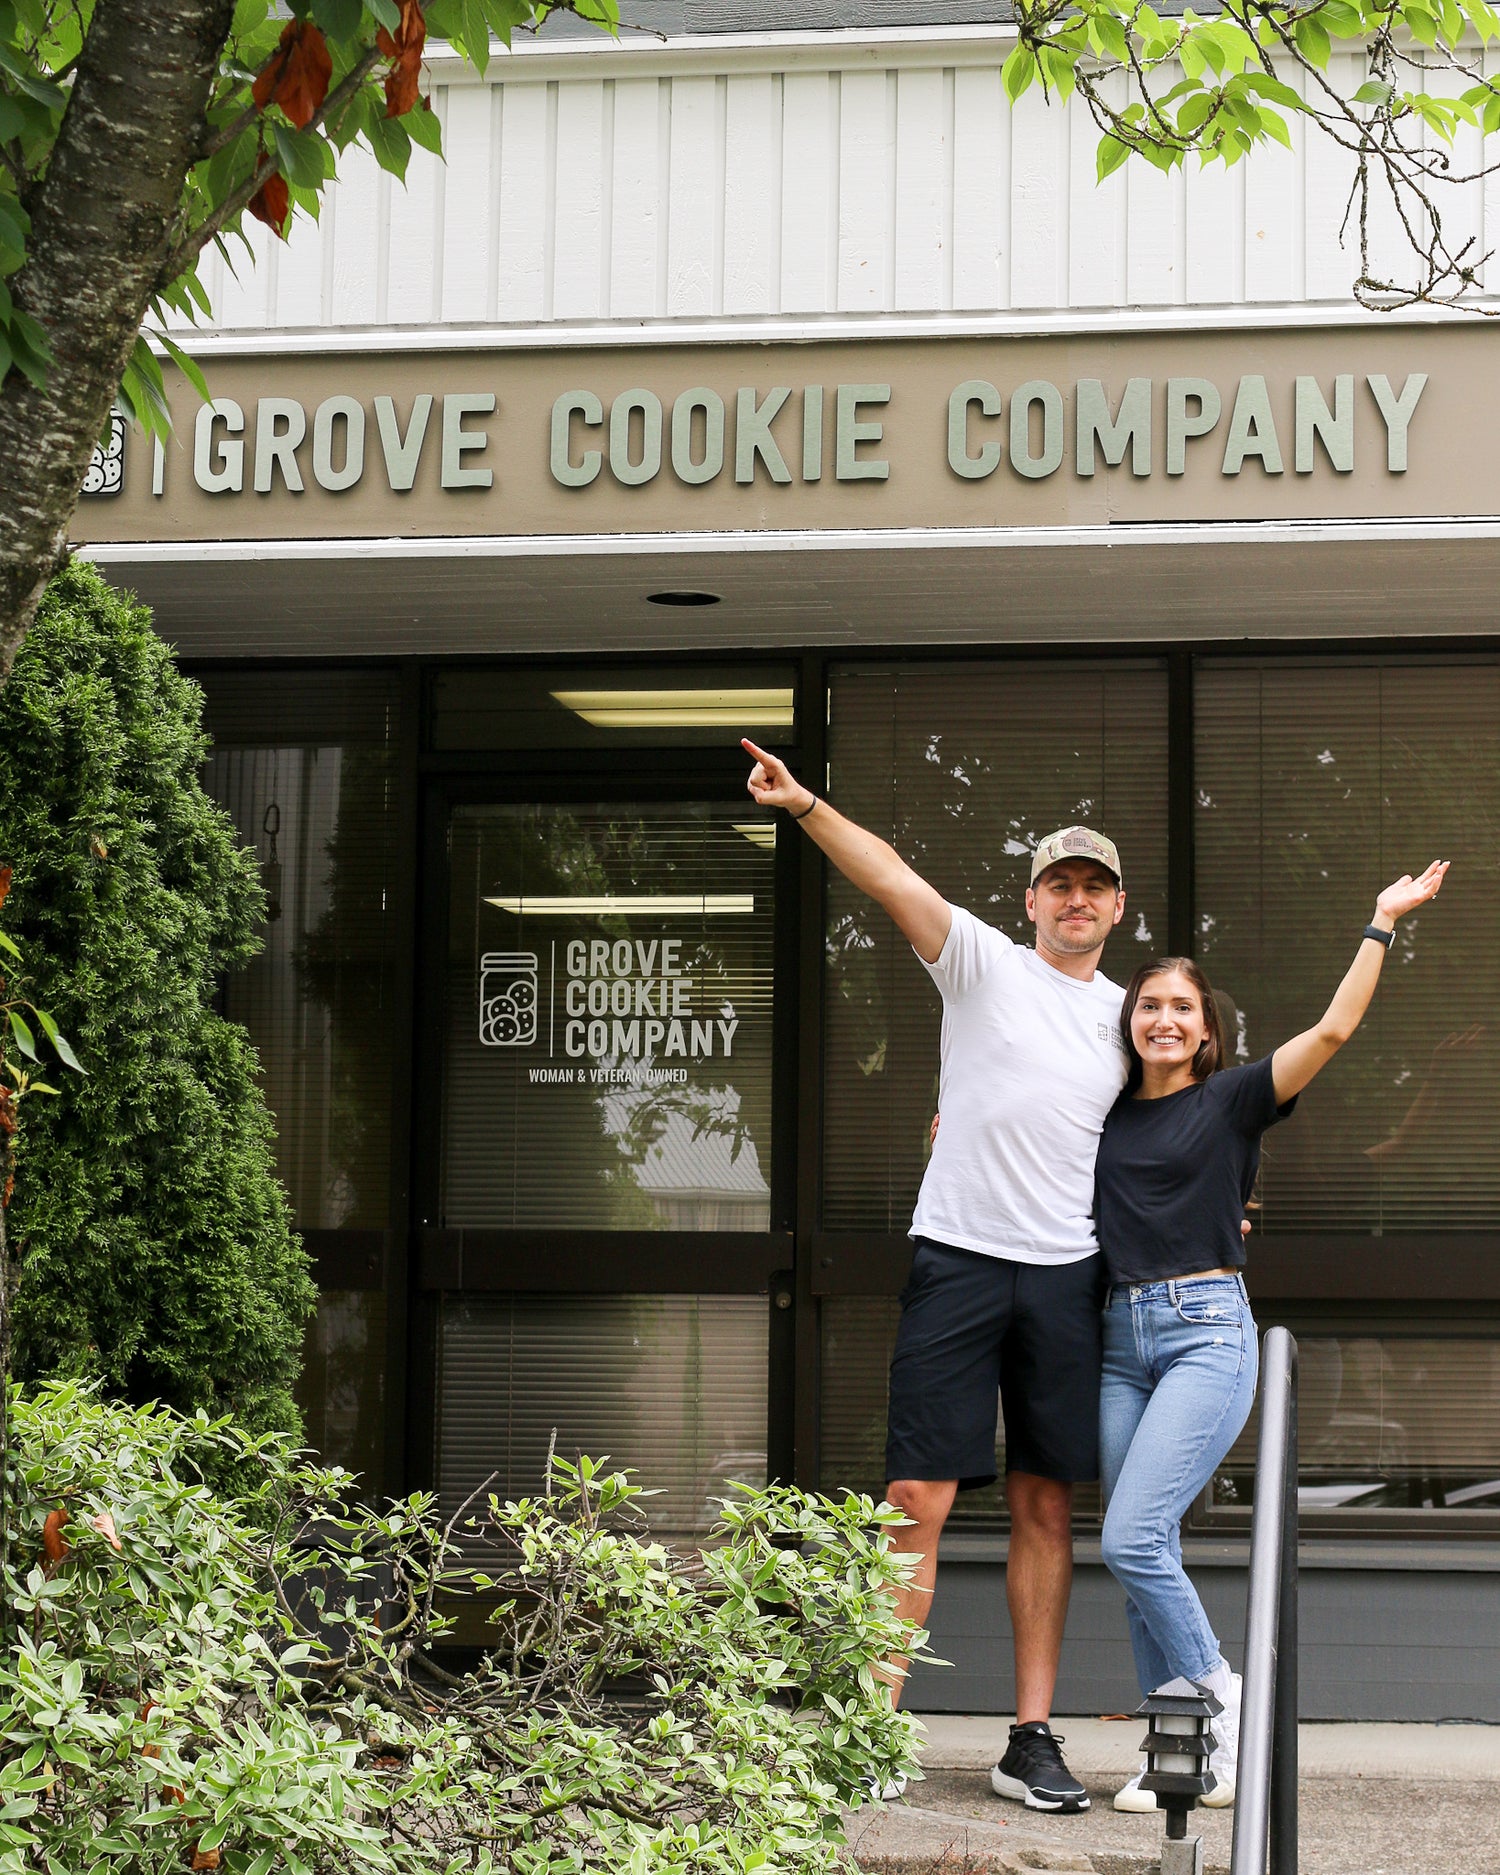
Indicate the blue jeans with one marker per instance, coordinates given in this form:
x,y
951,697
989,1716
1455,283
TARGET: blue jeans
x,y
1180,1364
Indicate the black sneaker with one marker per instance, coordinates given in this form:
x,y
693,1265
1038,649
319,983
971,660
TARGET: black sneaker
x,y
1032,1771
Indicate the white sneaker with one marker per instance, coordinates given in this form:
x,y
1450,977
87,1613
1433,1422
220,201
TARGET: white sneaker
x,y
1131,1797
1224,1762
888,1792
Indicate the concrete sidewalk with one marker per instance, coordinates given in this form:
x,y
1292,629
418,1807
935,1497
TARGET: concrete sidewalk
x,y
1375,1800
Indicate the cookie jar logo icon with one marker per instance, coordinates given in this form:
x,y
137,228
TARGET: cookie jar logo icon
x,y
106,471
507,999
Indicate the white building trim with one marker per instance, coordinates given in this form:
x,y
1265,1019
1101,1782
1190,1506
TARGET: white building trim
x,y
851,540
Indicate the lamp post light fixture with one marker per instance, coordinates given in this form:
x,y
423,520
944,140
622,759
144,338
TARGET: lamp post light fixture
x,y
1177,1748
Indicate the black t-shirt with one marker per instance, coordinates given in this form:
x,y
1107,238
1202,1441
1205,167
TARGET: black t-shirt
x,y
1174,1175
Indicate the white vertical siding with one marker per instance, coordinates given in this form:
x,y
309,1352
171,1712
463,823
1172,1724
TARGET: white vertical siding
x,y
694,200
921,235
895,182
1097,245
809,191
866,202
752,193
981,190
1040,180
578,263
635,212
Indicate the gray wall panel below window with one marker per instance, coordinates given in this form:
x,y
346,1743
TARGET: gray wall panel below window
x,y
1376,1644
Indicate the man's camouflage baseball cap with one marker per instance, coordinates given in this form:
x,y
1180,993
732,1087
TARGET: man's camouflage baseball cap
x,y
1075,843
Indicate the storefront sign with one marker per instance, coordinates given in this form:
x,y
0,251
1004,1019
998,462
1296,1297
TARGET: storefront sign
x,y
960,432
627,1002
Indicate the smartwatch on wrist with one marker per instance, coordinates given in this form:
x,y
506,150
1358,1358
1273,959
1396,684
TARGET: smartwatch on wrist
x,y
1384,938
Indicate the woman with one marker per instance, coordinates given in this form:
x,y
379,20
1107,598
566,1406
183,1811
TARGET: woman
x,y
1176,1165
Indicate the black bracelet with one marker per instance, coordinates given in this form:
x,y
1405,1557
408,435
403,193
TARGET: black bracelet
x,y
806,810
1383,938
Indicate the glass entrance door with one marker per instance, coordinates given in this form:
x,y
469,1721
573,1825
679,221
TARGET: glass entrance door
x,y
609,1018
605,1156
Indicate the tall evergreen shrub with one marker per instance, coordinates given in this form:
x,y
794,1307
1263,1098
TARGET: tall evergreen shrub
x,y
155,1240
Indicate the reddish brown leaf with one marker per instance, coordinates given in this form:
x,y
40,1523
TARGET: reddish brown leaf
x,y
271,203
55,1545
404,48
204,1858
105,1525
10,1186
5,879
297,74
173,1791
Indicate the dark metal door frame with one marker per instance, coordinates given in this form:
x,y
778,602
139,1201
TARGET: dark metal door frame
x,y
586,1261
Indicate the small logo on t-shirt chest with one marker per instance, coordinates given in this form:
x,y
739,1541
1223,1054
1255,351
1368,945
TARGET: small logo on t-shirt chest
x,y
1109,1032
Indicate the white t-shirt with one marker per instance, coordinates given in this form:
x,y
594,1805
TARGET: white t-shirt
x,y
1032,1060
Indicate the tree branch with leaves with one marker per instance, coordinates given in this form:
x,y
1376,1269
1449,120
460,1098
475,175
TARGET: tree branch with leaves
x,y
1218,86
134,136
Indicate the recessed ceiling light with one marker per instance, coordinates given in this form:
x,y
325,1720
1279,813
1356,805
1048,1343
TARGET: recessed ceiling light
x,y
682,598
680,709
698,903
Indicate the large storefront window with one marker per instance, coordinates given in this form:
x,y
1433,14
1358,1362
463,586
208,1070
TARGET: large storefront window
x,y
1317,784
302,761
963,767
1386,1423
609,1018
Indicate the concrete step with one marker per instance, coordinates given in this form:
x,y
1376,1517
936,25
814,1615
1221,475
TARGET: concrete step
x,y
1353,1822
1111,1748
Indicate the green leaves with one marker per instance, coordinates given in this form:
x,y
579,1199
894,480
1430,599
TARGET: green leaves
x,y
1018,71
251,1702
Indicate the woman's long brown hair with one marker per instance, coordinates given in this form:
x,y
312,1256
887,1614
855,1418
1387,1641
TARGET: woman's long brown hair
x,y
1211,1051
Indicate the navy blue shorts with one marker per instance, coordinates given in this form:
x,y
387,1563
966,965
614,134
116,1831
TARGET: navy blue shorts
x,y
972,1325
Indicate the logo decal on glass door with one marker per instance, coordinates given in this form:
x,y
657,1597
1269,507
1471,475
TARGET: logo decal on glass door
x,y
507,999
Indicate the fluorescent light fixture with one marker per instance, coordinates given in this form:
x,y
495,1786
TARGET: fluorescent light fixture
x,y
757,832
668,904
680,709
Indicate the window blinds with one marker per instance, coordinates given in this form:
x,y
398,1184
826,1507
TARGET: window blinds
x,y
964,767
1387,1423
302,764
672,1386
1318,783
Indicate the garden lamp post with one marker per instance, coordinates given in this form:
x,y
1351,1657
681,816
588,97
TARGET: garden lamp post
x,y
1177,1749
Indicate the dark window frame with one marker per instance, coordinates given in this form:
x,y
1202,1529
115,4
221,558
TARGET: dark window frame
x,y
821,1263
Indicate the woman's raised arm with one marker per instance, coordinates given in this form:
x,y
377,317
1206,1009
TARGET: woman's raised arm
x,y
1296,1062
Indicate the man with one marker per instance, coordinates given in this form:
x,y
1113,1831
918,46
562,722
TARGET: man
x,y
1007,1279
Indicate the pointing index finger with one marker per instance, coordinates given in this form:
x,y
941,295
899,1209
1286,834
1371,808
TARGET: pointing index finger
x,y
761,755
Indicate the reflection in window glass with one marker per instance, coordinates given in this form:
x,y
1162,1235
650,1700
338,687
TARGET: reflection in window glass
x,y
858,1335
605,707
342,1386
303,766
1386,1424
672,1386
1317,784
964,767
609,1018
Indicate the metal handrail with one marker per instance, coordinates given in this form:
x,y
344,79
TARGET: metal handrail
x,y
1265,1804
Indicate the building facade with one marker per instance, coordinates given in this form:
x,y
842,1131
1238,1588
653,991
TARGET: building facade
x,y
785,382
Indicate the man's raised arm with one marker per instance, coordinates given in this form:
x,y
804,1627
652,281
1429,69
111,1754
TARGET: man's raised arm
x,y
922,914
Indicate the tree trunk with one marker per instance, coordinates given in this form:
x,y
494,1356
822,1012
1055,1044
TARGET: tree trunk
x,y
101,221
